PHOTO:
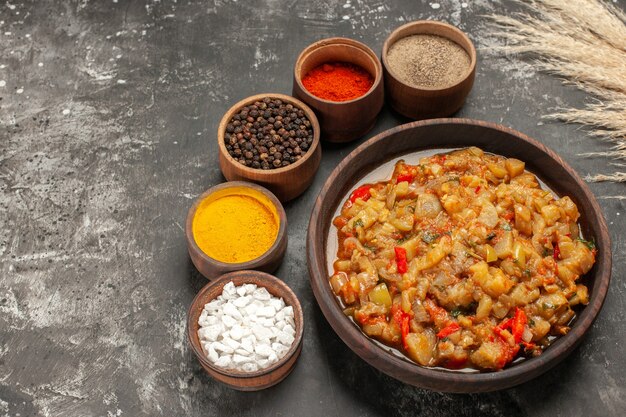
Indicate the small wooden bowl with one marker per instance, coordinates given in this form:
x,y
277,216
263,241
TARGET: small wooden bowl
x,y
247,381
267,262
286,182
424,102
442,135
341,121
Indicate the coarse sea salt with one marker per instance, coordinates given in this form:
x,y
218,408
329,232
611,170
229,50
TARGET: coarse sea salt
x,y
246,328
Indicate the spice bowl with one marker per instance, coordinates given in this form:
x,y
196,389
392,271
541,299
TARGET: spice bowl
x,y
286,182
215,249
428,102
240,380
341,121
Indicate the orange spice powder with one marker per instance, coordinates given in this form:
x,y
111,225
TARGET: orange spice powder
x,y
338,81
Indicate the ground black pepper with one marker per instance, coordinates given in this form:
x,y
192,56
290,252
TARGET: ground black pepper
x,y
268,134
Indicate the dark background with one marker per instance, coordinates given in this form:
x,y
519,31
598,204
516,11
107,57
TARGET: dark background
x,y
108,118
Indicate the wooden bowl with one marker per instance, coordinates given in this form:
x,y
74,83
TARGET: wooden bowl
x,y
439,134
268,262
286,182
424,102
346,120
247,381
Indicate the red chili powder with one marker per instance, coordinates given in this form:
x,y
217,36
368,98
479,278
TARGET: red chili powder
x,y
338,81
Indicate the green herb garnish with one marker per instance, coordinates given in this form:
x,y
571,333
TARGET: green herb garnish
x,y
455,313
506,226
491,235
589,243
358,223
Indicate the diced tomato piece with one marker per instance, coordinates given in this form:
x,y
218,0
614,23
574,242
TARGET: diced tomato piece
x,y
448,330
401,259
408,177
518,325
515,324
363,192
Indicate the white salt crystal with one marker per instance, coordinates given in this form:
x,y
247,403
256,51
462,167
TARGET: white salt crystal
x,y
230,310
264,350
211,353
220,347
277,303
224,361
241,301
285,339
279,349
289,330
261,294
245,345
249,339
261,332
250,310
236,332
210,333
240,359
267,311
246,328
249,367
243,352
229,321
280,315
231,343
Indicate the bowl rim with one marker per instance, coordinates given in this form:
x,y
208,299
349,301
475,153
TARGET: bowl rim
x,y
262,173
482,381
429,23
242,276
253,263
337,40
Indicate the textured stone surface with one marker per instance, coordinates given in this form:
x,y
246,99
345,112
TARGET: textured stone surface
x,y
108,120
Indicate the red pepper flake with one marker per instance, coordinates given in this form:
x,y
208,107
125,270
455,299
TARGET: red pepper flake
x,y
477,189
448,330
363,192
401,259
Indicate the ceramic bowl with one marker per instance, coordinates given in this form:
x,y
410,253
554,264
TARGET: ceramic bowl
x,y
286,182
441,135
247,381
424,102
268,261
346,120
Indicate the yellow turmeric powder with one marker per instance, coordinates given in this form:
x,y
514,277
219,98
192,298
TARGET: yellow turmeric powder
x,y
235,225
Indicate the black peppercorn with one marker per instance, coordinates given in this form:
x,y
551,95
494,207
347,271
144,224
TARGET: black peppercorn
x,y
268,134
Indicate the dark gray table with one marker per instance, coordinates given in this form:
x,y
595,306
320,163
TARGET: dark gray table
x,y
108,119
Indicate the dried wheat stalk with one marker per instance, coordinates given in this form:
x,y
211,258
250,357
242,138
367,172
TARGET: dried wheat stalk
x,y
583,41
